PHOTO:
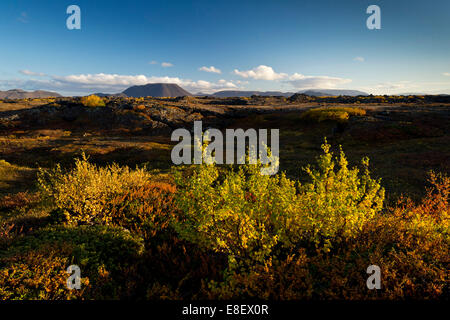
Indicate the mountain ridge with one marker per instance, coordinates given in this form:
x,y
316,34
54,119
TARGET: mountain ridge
x,y
22,94
310,92
174,90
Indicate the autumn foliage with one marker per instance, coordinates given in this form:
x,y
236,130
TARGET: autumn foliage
x,y
92,101
340,114
222,232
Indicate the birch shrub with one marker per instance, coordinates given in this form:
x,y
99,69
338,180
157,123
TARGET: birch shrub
x,y
335,204
81,195
245,214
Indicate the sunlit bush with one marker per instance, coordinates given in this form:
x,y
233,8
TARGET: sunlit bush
x,y
413,265
335,204
245,214
82,194
340,114
409,242
92,101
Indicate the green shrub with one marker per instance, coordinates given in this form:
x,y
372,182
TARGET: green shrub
x,y
335,204
245,214
228,214
409,242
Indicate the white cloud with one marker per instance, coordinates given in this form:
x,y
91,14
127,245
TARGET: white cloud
x,y
240,82
111,83
209,87
31,73
359,59
153,62
447,74
166,64
81,84
210,69
300,81
296,80
407,86
261,73
387,86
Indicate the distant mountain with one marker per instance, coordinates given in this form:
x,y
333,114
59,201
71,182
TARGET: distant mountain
x,y
311,92
420,94
123,95
332,92
237,93
410,94
21,94
156,90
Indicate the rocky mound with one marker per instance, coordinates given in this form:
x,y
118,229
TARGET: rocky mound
x,y
299,98
156,90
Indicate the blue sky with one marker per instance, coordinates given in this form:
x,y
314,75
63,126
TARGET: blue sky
x,y
226,45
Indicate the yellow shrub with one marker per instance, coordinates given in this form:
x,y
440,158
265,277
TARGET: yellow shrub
x,y
335,204
83,193
245,214
340,114
92,101
410,244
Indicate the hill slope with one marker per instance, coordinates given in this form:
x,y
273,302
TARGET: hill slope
x,y
310,92
237,93
21,94
333,92
156,90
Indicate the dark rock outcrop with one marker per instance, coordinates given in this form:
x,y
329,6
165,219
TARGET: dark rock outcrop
x,y
156,90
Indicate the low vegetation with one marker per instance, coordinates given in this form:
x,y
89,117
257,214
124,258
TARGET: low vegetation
x,y
92,101
140,229
221,232
83,194
340,114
